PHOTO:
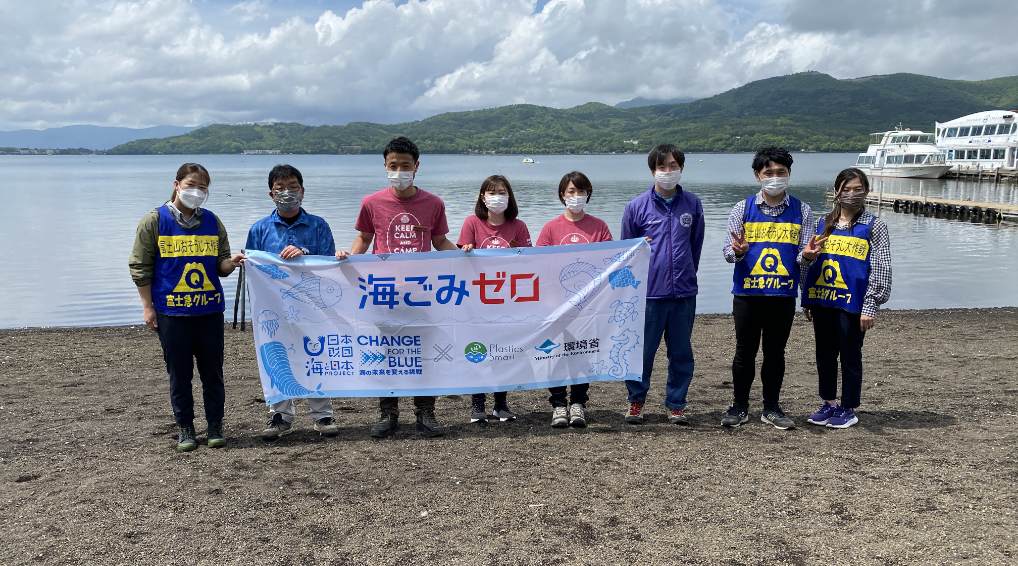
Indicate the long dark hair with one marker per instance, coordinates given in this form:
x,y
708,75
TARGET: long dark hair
x,y
481,209
188,169
833,216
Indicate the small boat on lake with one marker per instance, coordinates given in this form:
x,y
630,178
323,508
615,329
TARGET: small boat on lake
x,y
903,153
528,160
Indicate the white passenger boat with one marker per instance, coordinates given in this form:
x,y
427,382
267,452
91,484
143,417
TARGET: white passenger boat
x,y
903,153
527,160
981,141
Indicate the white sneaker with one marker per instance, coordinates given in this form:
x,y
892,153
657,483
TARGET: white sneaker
x,y
576,416
560,417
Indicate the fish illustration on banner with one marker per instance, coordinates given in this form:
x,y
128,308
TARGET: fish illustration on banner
x,y
314,290
623,278
277,366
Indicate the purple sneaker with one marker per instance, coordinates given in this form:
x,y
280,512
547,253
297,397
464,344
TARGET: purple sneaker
x,y
842,418
823,414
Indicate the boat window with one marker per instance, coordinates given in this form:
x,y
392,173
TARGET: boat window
x,y
913,139
909,158
952,132
963,132
861,159
998,154
973,154
977,130
984,154
950,154
1013,126
990,130
939,131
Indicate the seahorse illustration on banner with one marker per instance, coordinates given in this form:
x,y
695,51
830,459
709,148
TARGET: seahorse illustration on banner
x,y
277,365
624,343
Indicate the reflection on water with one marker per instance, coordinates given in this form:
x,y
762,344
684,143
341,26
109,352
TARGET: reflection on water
x,y
71,220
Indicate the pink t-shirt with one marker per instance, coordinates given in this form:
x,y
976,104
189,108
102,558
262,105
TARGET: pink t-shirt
x,y
402,225
483,235
586,230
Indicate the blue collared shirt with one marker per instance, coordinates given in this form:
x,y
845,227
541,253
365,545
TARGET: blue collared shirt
x,y
271,234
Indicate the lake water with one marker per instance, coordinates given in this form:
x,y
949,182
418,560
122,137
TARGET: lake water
x,y
70,221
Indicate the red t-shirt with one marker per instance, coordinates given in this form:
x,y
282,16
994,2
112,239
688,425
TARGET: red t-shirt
x,y
586,230
402,225
482,234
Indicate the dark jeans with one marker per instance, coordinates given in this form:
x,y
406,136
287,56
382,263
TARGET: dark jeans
x,y
479,398
673,319
578,394
186,340
391,404
772,317
837,332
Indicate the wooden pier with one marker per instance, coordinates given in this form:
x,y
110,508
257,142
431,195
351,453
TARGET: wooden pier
x,y
989,212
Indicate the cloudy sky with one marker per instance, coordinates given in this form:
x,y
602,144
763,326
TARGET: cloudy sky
x,y
181,62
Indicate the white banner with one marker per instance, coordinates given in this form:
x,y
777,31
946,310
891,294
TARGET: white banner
x,y
447,323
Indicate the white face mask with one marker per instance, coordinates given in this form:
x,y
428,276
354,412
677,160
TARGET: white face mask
x,y
667,180
496,203
774,186
192,198
576,204
401,180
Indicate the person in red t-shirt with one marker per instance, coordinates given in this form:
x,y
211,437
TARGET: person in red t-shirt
x,y
493,225
573,227
402,218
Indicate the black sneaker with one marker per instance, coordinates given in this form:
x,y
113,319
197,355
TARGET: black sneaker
x,y
215,435
186,441
503,414
428,424
777,418
387,424
277,427
478,413
735,416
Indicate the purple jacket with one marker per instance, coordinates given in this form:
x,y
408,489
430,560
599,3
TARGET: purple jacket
x,y
676,233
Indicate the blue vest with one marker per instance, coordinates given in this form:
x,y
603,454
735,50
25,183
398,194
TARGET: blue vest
x,y
769,267
186,280
840,275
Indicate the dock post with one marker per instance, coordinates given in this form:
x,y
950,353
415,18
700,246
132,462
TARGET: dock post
x,y
880,199
921,191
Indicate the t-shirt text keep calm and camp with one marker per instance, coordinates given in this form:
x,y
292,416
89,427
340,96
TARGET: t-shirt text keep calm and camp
x,y
402,225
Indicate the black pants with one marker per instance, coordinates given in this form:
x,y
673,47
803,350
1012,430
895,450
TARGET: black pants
x,y
186,340
479,398
421,403
837,333
772,317
577,395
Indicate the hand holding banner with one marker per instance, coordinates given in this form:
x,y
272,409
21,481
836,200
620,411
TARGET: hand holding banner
x,y
445,323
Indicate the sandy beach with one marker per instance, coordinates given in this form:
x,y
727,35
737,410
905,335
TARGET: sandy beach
x,y
90,474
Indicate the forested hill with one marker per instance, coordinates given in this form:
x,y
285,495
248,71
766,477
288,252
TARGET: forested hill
x,y
795,111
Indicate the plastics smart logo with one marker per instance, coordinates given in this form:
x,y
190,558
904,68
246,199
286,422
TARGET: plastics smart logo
x,y
475,352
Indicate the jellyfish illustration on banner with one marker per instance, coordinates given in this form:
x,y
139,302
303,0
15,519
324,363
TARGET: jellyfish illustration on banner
x,y
269,322
580,280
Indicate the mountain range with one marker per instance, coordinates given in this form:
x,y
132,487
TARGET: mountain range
x,y
801,110
87,137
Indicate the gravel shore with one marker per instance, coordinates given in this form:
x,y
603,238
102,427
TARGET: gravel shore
x,y
89,472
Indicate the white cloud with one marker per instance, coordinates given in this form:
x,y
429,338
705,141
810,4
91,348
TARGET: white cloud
x,y
148,62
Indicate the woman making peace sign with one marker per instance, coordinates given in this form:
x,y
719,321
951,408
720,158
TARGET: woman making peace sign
x,y
841,292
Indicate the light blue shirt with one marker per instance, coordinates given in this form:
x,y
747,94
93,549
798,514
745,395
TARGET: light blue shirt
x,y
271,234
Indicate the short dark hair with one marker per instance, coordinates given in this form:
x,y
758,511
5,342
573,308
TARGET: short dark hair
x,y
658,154
772,154
579,180
481,209
284,172
402,144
